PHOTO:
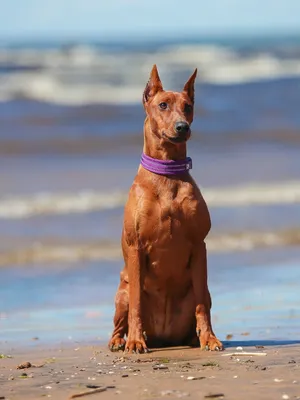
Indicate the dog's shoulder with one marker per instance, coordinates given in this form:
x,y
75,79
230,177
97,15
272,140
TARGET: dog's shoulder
x,y
140,208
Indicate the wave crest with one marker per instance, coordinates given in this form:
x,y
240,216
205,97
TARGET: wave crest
x,y
87,74
103,251
87,201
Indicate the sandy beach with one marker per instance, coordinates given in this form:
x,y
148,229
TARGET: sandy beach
x,y
272,372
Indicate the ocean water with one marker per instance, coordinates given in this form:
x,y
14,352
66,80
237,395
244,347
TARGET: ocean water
x,y
255,298
71,124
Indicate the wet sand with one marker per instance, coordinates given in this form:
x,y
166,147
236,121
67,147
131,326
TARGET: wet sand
x,y
64,371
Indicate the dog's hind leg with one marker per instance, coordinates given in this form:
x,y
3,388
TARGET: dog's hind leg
x,y
117,341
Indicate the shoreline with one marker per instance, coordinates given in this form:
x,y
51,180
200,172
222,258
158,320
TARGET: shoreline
x,y
38,299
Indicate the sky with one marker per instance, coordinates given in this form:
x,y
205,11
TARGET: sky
x,y
66,19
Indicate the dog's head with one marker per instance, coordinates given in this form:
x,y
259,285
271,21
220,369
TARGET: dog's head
x,y
170,113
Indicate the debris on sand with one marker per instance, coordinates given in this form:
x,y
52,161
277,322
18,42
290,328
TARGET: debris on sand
x,y
93,386
214,396
5,356
194,378
174,393
243,353
160,366
210,364
28,364
87,393
24,365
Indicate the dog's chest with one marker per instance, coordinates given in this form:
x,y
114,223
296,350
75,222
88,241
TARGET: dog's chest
x,y
176,214
172,217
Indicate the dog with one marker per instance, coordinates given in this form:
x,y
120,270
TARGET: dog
x,y
163,297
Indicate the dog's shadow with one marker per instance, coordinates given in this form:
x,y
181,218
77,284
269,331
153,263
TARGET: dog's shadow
x,y
233,344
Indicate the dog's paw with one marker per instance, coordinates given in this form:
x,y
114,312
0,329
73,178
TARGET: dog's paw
x,y
117,343
136,345
208,341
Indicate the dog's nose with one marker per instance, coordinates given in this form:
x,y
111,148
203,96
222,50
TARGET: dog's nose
x,y
182,127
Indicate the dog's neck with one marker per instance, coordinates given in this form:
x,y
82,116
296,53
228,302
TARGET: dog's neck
x,y
155,147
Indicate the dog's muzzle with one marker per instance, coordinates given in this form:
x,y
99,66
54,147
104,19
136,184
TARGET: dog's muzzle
x,y
182,128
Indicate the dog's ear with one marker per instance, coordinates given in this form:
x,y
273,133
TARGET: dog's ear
x,y
189,86
153,86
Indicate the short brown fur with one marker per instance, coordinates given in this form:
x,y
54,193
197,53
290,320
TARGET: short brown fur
x,y
163,297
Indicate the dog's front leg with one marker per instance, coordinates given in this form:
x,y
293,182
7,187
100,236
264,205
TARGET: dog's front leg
x,y
136,268
208,340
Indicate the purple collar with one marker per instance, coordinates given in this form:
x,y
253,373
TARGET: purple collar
x,y
166,167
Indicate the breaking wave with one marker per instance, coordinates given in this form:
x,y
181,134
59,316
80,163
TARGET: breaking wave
x,y
90,74
103,251
87,201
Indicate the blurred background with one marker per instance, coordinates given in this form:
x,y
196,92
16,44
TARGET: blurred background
x,y
72,75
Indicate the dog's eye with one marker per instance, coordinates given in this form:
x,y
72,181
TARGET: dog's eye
x,y
188,108
163,106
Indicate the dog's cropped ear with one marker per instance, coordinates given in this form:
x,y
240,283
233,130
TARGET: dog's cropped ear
x,y
189,86
153,86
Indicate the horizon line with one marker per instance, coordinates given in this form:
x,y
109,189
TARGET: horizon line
x,y
149,36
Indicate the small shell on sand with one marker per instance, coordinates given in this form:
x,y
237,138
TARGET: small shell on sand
x,y
193,378
243,353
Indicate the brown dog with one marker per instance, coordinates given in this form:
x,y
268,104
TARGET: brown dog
x,y
163,297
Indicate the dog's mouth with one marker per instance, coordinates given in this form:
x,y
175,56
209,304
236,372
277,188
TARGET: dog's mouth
x,y
176,139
